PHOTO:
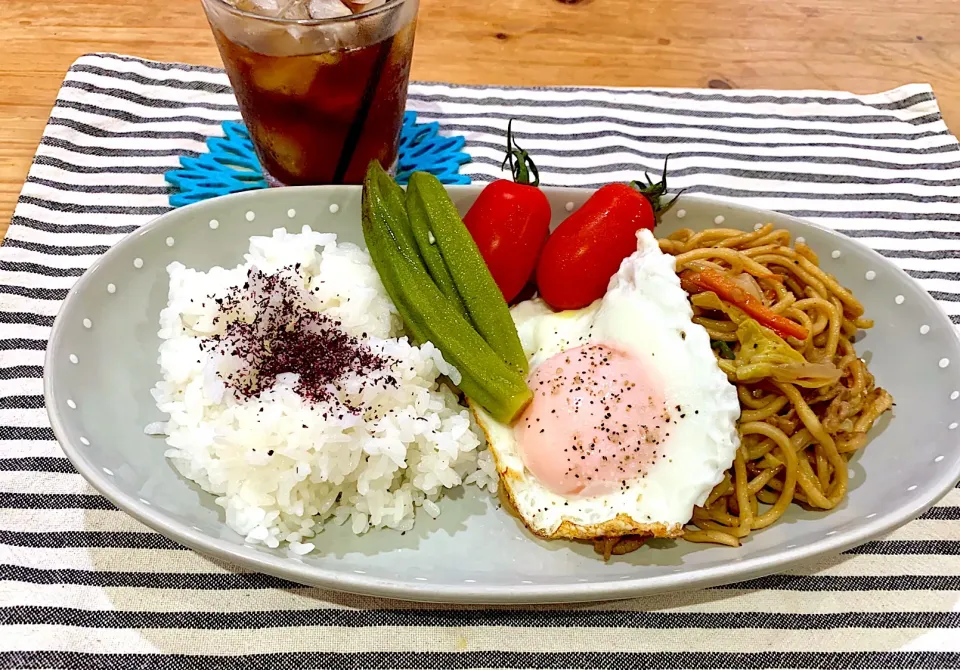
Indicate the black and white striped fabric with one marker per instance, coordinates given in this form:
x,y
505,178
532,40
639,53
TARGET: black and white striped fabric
x,y
85,586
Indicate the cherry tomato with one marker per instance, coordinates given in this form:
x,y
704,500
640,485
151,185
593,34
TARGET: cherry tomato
x,y
510,221
587,248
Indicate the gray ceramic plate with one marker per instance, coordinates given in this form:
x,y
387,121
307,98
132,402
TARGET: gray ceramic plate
x,y
475,552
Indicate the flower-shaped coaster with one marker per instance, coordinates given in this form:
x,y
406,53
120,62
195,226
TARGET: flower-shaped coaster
x,y
230,164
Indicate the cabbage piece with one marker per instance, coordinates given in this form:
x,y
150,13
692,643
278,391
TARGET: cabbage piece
x,y
749,284
764,354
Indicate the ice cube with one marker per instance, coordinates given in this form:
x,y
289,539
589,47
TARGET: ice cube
x,y
294,10
285,151
293,75
327,9
264,7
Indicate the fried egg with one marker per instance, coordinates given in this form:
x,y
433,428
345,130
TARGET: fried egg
x,y
632,423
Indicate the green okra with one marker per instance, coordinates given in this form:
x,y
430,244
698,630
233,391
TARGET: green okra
x,y
430,207
430,252
485,377
395,210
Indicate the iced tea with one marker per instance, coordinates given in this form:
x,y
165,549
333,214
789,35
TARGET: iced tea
x,y
321,84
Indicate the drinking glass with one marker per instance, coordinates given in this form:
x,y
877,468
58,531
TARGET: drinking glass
x,y
321,84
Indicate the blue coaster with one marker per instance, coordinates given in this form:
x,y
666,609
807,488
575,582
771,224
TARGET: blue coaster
x,y
230,164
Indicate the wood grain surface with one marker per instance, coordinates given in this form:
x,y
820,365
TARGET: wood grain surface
x,y
855,45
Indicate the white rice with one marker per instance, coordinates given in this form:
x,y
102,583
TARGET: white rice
x,y
410,443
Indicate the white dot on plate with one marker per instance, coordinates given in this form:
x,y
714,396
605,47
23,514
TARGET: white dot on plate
x,y
952,426
291,213
74,359
944,362
899,299
144,501
87,323
835,253
251,215
111,288
108,471
801,240
470,581
214,224
871,275
871,515
84,441
758,226
955,395
334,208
718,219
71,404
832,532
569,206
912,488
924,329
170,242
938,459
138,263
421,579
681,213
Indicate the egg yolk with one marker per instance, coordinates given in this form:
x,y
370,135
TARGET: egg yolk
x,y
597,421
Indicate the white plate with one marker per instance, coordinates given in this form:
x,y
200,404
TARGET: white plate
x,y
476,552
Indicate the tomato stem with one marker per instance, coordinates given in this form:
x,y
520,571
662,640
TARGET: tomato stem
x,y
654,192
521,165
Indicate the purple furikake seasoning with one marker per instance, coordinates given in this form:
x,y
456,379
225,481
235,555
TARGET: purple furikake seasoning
x,y
269,331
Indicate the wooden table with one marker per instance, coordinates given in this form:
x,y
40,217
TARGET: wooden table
x,y
856,45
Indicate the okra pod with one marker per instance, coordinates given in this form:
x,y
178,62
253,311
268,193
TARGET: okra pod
x,y
427,244
485,377
431,207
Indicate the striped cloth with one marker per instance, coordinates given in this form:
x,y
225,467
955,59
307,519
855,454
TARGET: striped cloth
x,y
85,586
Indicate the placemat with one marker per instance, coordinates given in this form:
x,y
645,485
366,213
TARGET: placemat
x,y
85,586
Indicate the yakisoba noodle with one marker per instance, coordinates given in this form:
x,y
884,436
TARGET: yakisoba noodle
x,y
796,435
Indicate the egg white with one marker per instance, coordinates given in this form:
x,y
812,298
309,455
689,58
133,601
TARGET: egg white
x,y
644,312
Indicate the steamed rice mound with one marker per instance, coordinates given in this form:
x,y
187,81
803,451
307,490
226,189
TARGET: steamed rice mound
x,y
282,467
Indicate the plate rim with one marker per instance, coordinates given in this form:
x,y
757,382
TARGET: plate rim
x,y
302,573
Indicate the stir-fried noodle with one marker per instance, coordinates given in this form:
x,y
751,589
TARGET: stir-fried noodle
x,y
783,332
